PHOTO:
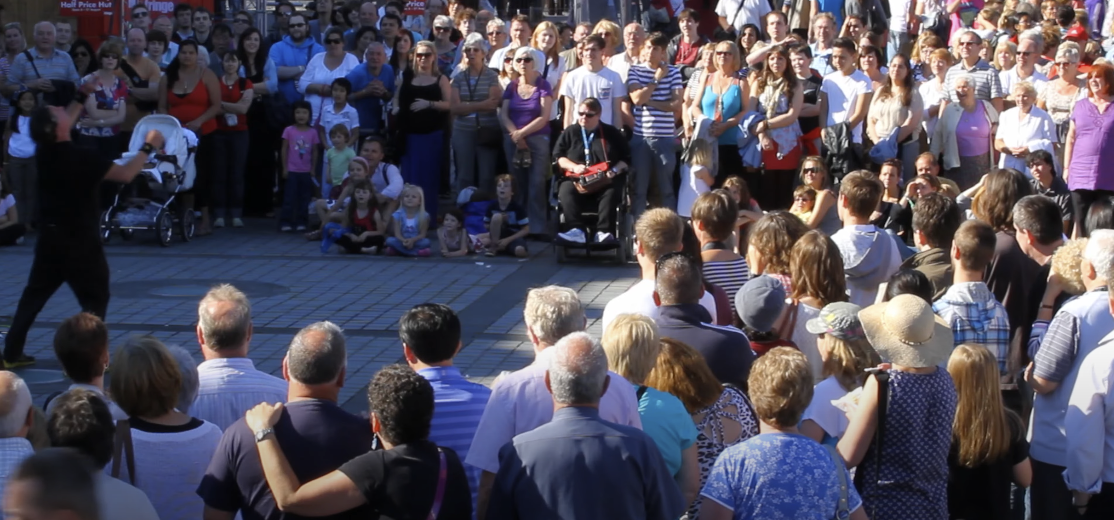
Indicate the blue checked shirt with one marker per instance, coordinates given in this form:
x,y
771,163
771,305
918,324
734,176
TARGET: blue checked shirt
x,y
58,66
976,317
12,452
229,387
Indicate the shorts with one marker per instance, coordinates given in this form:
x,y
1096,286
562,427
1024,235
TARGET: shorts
x,y
509,250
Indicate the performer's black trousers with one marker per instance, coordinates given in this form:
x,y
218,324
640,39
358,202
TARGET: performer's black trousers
x,y
60,257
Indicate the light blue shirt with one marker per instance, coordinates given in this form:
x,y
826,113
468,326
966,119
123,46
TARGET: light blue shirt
x,y
1090,419
668,423
229,387
458,406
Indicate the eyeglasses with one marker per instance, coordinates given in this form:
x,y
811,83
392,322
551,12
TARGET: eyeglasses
x,y
524,60
139,14
423,55
496,33
331,41
297,25
1025,53
241,20
587,114
471,49
1063,63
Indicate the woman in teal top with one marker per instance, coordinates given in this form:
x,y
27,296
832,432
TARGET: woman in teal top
x,y
721,100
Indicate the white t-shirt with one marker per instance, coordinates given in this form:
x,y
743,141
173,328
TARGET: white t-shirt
x,y
899,15
639,299
317,72
691,189
330,118
118,499
842,93
753,11
169,466
621,64
604,85
20,145
823,412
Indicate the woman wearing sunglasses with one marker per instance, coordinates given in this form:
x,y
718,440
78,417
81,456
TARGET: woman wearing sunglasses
x,y
420,105
527,105
443,43
316,82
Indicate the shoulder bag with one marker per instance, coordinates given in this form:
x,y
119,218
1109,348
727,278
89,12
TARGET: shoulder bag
x,y
883,378
122,447
597,176
729,34
439,496
843,509
487,137
146,107
64,91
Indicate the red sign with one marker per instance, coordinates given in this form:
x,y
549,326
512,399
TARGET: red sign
x,y
86,7
414,8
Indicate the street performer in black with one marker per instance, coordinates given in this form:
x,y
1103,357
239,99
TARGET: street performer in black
x,y
69,249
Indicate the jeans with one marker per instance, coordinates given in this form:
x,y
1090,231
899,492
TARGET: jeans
x,y
295,200
230,150
653,158
23,174
475,164
530,183
396,244
898,44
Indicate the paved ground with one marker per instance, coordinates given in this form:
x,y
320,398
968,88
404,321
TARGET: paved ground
x,y
291,284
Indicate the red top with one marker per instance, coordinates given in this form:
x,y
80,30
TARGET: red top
x,y
367,222
189,107
233,94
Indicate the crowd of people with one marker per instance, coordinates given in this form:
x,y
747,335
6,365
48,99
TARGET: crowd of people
x,y
874,243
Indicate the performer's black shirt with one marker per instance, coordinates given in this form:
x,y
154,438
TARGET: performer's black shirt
x,y
69,177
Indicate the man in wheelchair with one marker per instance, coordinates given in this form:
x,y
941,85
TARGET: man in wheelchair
x,y
593,158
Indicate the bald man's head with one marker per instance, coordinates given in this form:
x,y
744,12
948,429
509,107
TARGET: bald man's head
x,y
15,406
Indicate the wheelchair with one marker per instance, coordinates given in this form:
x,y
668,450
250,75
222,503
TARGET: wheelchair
x,y
622,249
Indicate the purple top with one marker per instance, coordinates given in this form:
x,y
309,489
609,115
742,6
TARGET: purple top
x,y
972,134
1094,145
522,111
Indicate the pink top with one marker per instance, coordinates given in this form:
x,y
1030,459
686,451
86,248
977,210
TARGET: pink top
x,y
1094,145
299,151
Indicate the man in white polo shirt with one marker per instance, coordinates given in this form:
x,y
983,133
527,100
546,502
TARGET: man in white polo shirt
x,y
594,80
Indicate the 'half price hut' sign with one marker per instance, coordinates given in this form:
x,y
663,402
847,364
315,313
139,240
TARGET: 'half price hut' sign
x,y
414,8
86,7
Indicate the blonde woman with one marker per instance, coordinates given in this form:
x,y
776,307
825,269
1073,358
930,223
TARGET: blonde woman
x,y
932,91
722,100
612,37
632,344
1058,97
825,215
723,414
506,69
420,105
926,44
844,354
547,40
1005,56
989,451
705,66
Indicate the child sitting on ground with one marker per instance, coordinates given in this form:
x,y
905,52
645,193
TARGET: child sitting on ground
x,y
452,236
362,229
507,222
411,225
804,200
337,158
331,207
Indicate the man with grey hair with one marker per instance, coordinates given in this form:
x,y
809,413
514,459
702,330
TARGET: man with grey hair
x,y
1028,50
50,65
229,383
520,401
16,418
984,78
579,465
372,86
316,435
1075,331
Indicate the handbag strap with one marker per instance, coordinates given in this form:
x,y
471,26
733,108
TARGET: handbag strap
x,y
439,496
123,444
789,321
843,508
472,91
31,60
588,146
883,379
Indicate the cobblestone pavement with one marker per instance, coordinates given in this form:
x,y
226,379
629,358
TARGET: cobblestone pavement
x,y
291,284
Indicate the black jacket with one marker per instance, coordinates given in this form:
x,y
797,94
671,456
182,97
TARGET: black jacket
x,y
726,349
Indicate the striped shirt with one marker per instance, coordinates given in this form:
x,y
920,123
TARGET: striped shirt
x,y
458,406
975,316
650,121
984,80
229,387
58,66
12,452
729,275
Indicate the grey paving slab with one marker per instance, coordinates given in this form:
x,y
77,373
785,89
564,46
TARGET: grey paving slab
x,y
292,284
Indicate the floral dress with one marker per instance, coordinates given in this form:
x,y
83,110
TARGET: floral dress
x,y
108,97
732,406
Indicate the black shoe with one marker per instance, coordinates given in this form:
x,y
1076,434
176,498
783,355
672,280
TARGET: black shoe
x,y
539,237
22,361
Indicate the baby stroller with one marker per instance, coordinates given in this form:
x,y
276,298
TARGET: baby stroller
x,y
150,202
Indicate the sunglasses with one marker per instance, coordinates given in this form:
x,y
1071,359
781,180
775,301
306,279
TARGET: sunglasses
x,y
109,57
1063,63
723,53
496,33
423,54
296,25
811,170
587,114
442,29
284,15
1026,53
331,41
508,59
140,14
524,60
471,49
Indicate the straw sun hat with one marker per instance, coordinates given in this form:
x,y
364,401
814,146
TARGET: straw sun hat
x,y
906,332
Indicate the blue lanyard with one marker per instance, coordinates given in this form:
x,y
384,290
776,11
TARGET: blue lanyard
x,y
587,145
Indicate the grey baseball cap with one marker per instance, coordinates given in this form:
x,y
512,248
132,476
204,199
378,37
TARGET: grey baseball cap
x,y
840,319
759,303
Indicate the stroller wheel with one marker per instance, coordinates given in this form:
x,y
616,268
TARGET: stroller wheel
x,y
106,226
164,227
186,225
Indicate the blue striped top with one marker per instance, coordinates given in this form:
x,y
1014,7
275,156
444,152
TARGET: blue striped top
x,y
458,406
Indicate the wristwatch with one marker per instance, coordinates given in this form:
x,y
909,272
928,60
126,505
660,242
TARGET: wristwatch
x,y
262,434
147,148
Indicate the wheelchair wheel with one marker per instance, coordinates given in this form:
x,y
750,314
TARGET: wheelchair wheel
x,y
621,253
106,226
164,227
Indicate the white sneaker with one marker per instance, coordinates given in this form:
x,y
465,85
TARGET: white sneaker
x,y
603,238
286,229
300,228
573,235
218,223
237,222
